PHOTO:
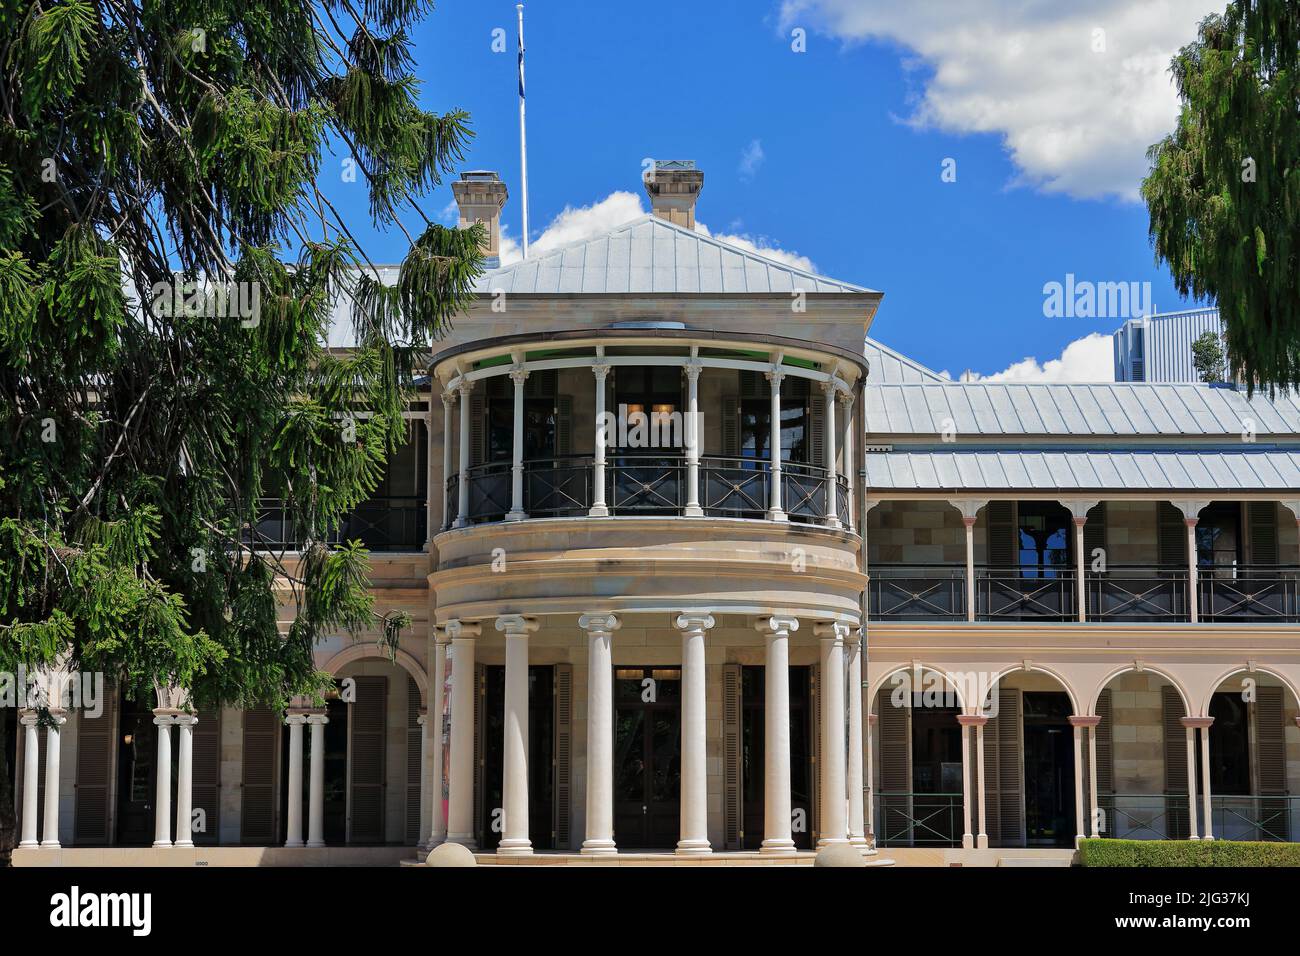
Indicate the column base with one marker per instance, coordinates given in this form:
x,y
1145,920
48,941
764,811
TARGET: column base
x,y
464,839
159,845
315,844
598,511
55,845
693,848
189,844
1210,838
967,841
515,848
777,848
516,516
833,523
598,848
29,844
831,841
982,841
859,841
693,511
776,515
288,844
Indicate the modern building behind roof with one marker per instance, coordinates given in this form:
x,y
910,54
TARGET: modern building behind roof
x,y
657,492
1158,348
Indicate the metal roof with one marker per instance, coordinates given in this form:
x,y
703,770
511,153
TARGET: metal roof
x,y
1207,471
652,255
893,368
1083,411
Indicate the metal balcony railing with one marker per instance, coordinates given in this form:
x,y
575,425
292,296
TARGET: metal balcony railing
x,y
1135,594
1025,594
918,819
1274,819
918,593
1143,816
388,523
1258,594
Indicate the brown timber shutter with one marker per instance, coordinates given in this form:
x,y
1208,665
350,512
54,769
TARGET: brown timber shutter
x,y
1000,517
564,425
1105,745
1171,539
562,803
258,801
730,426
817,428
1270,741
893,802
367,726
1003,774
477,427
1172,712
96,745
1262,516
1094,534
205,780
732,817
414,765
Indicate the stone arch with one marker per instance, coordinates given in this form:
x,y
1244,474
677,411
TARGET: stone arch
x,y
1174,682
1247,669
922,667
403,659
1040,669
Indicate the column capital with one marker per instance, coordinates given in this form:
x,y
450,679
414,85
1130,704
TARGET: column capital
x,y
1077,720
832,630
1190,507
972,720
438,634
464,387
777,624
969,508
599,623
449,397
1079,507
774,375
518,374
459,630
1192,722
29,718
165,715
318,717
844,393
295,719
600,370
694,621
517,624
693,367
185,720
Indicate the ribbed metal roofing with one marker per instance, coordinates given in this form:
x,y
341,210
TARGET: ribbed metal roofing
x,y
1086,470
1081,411
893,368
650,255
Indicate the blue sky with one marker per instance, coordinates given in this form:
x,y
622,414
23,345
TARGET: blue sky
x,y
851,135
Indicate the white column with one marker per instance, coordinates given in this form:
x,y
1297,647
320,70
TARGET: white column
x,y
518,375
460,799
777,835
982,835
693,438
1080,588
294,823
856,783
1193,586
774,512
185,779
600,629
969,522
832,456
1207,823
694,773
967,840
462,483
598,508
31,778
437,817
316,785
833,809
1191,777
162,833
53,731
850,463
1092,775
514,768
448,399
1079,831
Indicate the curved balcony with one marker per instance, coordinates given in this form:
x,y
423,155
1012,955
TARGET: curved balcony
x,y
645,485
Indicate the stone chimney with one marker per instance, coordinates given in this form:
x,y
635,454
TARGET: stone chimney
x,y
673,186
481,194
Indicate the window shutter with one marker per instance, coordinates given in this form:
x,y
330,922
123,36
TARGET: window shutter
x,y
96,752
257,804
563,800
1262,516
1270,741
893,803
815,698
1175,763
480,761
992,780
731,426
1011,778
731,758
816,419
1105,745
205,780
366,725
754,385
1171,540
1094,533
414,766
477,428
1000,518
564,425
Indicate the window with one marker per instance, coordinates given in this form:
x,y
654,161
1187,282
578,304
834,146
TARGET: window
x,y
1043,534
1229,745
539,417
1218,535
756,421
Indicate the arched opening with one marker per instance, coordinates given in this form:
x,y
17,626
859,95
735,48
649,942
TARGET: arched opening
x,y
1254,758
1142,758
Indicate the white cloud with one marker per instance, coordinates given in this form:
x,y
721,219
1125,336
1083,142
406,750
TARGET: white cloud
x,y
751,157
585,222
1089,359
1075,119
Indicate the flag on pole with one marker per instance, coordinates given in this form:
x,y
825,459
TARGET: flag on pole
x,y
521,52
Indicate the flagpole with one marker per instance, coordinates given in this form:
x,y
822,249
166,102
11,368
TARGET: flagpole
x,y
523,138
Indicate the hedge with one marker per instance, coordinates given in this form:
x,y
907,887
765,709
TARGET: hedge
x,y
1187,853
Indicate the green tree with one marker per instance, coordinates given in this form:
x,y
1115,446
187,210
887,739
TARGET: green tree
x,y
1224,188
148,145
1207,357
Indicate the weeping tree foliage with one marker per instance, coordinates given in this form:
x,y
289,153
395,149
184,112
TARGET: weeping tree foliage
x,y
1224,188
154,156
